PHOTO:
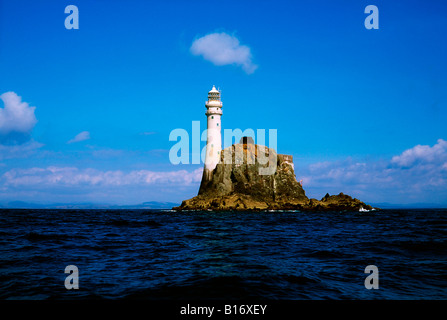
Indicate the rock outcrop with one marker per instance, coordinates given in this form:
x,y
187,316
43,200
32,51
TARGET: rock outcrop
x,y
253,177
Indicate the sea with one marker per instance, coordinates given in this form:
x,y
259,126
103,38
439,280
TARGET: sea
x,y
205,255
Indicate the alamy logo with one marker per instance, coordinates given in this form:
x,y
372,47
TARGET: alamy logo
x,y
372,281
181,153
372,21
72,280
72,21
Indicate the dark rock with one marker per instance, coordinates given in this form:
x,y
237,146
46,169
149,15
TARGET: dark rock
x,y
247,140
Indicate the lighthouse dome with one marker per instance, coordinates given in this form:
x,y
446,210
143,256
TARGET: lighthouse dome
x,y
214,90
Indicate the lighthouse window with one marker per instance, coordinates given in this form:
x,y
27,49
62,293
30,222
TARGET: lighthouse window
x,y
217,124
212,117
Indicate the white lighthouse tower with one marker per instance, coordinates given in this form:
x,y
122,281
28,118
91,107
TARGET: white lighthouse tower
x,y
214,136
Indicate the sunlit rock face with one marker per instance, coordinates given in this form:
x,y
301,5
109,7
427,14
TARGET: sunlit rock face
x,y
255,177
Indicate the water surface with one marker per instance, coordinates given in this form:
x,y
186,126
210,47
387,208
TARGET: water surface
x,y
159,254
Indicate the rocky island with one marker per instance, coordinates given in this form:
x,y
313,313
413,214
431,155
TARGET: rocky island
x,y
251,177
239,183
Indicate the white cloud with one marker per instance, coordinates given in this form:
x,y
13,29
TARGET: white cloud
x,y
17,118
71,176
224,49
73,185
419,174
84,135
422,154
19,151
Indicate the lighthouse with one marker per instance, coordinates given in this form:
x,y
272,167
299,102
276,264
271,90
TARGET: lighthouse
x,y
214,136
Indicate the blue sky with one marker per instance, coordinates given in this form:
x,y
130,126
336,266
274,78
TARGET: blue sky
x,y
362,111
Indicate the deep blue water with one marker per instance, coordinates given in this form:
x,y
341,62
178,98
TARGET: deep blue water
x,y
150,254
